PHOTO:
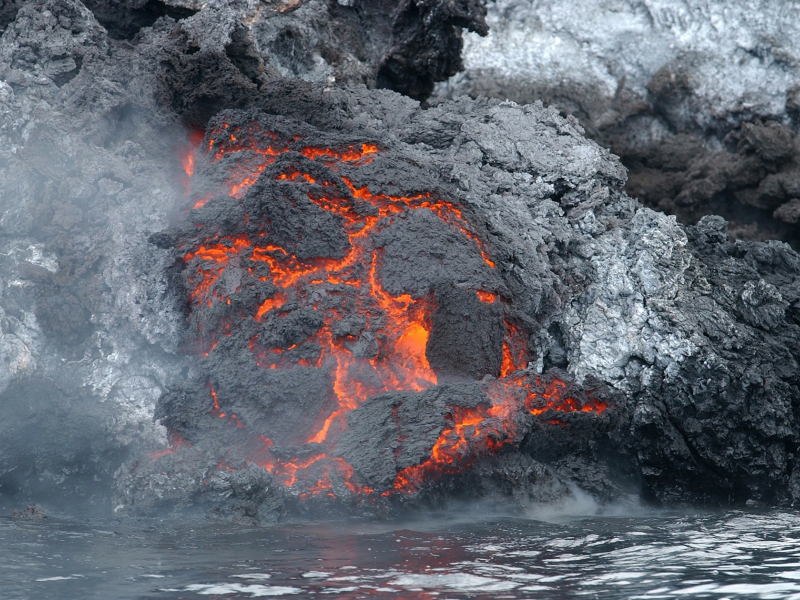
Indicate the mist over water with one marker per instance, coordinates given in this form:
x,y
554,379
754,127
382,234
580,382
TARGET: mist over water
x,y
454,554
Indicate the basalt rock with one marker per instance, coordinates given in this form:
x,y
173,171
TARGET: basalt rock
x,y
426,44
698,99
404,45
330,298
685,329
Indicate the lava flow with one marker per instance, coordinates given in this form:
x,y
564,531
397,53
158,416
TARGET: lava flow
x,y
472,433
369,340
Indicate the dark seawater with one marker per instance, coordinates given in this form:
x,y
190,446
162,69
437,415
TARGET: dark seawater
x,y
459,554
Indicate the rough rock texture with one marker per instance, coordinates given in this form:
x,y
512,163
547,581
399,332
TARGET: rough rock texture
x,y
697,333
29,513
90,154
671,352
426,44
88,333
404,45
688,94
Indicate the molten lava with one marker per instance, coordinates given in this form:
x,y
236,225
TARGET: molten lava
x,y
398,325
515,351
472,433
176,442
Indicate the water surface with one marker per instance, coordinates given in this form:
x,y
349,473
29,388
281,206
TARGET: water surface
x,y
450,555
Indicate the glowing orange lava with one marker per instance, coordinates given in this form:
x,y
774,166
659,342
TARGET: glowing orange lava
x,y
402,364
472,433
286,471
399,324
555,397
486,297
188,157
269,304
515,351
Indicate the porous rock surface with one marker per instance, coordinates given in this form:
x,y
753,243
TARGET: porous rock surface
x,y
402,45
695,337
699,99
90,158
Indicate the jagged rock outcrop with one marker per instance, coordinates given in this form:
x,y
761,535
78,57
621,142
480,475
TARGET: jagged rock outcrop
x,y
87,331
699,99
659,359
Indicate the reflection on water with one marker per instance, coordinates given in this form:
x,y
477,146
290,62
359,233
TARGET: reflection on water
x,y
456,555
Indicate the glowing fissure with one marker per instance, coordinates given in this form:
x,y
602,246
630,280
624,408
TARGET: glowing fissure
x,y
188,157
515,351
176,442
400,325
402,364
286,471
472,433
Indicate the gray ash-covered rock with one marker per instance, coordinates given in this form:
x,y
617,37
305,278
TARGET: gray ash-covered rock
x,y
511,324
404,45
598,286
88,333
91,141
699,99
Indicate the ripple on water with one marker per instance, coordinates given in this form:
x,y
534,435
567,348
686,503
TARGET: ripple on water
x,y
252,590
734,555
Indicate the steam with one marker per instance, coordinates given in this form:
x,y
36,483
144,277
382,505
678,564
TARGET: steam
x,y
88,329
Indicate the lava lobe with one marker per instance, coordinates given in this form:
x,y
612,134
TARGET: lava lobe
x,y
349,319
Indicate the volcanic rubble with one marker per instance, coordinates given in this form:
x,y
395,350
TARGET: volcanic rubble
x,y
700,100
332,298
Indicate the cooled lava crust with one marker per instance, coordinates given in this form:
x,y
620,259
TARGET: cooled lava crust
x,y
698,335
356,339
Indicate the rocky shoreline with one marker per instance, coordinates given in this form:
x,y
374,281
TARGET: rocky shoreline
x,y
523,254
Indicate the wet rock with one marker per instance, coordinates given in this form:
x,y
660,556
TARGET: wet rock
x,y
32,512
519,477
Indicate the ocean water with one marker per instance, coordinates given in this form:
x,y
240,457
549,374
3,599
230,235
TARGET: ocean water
x,y
460,553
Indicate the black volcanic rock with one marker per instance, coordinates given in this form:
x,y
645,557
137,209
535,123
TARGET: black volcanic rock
x,y
426,44
598,284
466,335
705,122
577,338
29,513
401,428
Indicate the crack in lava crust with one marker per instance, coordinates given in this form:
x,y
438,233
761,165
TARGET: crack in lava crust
x,y
397,327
